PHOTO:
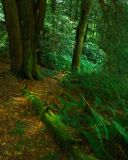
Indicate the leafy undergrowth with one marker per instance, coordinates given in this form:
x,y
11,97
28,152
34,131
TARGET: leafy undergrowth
x,y
22,133
96,106
93,107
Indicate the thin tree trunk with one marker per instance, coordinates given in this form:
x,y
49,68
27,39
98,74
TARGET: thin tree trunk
x,y
85,9
39,23
86,33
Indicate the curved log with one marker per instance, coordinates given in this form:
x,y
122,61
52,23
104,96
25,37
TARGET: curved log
x,y
64,138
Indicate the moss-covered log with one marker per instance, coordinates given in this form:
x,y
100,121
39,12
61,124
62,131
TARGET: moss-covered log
x,y
64,138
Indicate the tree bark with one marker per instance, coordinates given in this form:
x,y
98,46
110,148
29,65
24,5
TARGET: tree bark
x,y
13,28
24,21
85,10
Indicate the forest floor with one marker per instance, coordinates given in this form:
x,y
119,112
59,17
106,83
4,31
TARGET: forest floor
x,y
23,136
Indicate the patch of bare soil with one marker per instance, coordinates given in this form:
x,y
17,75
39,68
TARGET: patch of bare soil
x,y
22,135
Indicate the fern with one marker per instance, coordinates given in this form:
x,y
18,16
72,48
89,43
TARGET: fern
x,y
100,123
98,129
96,145
121,130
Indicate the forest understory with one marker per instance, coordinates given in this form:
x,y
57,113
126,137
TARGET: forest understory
x,y
63,80
23,136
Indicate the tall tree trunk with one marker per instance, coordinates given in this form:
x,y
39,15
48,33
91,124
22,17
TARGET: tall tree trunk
x,y
24,20
39,23
86,33
13,27
27,31
85,9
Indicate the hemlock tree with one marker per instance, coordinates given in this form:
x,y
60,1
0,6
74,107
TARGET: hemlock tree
x,y
24,19
81,28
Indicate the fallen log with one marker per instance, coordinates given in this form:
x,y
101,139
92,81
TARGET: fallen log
x,y
64,138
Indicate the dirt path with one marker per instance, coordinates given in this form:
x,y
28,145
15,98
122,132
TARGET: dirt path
x,y
22,135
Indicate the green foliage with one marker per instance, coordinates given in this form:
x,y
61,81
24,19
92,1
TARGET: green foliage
x,y
1,12
3,32
53,121
50,156
99,129
98,111
19,128
37,104
96,145
113,39
99,108
56,47
93,58
55,61
121,130
58,39
49,73
102,85
19,145
93,53
3,40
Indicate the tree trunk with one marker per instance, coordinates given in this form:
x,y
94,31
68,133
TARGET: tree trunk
x,y
85,9
24,21
13,27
